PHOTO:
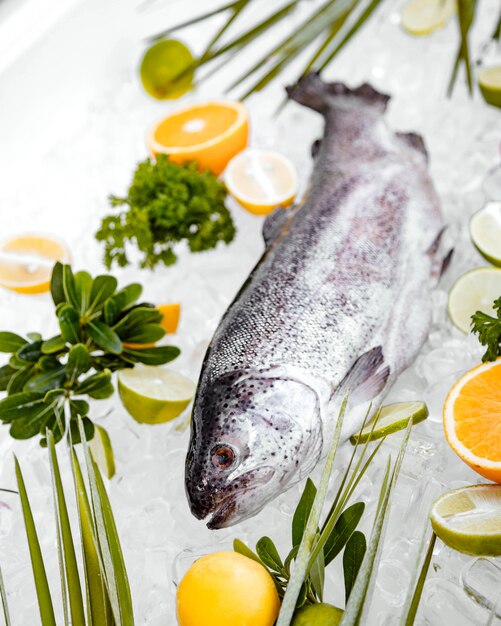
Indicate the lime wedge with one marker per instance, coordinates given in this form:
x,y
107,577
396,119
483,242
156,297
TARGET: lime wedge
x,y
474,291
317,615
153,395
469,519
102,451
422,17
485,232
489,81
392,418
162,64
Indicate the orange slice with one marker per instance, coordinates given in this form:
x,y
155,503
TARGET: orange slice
x,y
472,419
26,261
170,321
210,133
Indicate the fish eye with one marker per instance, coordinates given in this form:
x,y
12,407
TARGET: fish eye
x,y
223,456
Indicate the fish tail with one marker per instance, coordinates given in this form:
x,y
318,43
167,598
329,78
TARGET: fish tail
x,y
321,96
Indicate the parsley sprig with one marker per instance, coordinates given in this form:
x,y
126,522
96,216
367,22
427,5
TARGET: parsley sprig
x,y
166,203
49,381
488,329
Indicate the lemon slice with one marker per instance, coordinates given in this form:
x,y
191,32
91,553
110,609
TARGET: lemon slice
x,y
102,451
489,81
26,261
261,180
474,291
485,232
162,63
153,395
392,418
422,17
469,519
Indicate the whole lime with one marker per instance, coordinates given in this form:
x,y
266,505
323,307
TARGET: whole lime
x,y
317,615
161,66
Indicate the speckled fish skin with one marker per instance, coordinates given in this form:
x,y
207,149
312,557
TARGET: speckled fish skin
x,y
346,276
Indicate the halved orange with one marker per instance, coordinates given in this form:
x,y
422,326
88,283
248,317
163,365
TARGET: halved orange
x,y
210,133
26,261
170,321
472,419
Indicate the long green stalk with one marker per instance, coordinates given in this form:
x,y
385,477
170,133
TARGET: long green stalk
x,y
418,590
5,606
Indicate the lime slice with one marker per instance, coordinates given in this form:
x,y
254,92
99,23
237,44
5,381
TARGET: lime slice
x,y
485,232
162,64
153,395
102,451
317,615
392,418
489,81
469,519
474,291
422,17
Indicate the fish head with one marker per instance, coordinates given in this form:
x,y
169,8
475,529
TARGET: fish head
x,y
253,436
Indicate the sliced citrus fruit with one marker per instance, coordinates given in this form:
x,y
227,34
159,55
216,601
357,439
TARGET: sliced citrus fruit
x,y
472,419
261,180
162,64
485,231
102,451
170,321
422,17
26,261
210,133
474,291
153,395
469,519
489,81
392,418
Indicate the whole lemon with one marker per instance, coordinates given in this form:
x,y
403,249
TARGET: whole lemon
x,y
317,615
227,588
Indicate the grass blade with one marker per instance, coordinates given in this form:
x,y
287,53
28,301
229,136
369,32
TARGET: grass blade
x,y
37,563
117,582
410,614
66,547
5,606
237,9
99,611
299,573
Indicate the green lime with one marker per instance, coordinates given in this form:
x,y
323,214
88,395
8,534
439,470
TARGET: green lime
x,y
393,417
474,291
485,232
469,519
317,615
102,451
153,395
162,64
489,81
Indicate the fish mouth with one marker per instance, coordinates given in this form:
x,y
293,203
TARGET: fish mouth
x,y
228,509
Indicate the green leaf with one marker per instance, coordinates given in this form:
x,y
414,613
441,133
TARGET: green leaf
x,y
79,407
104,337
69,323
37,563
117,582
53,345
30,425
69,569
317,575
20,379
152,356
20,405
98,604
34,336
127,296
411,608
10,342
70,291
149,333
44,381
3,596
110,312
78,362
91,383
6,373
88,427
30,352
353,556
137,318
103,287
56,284
241,548
302,511
54,424
269,554
342,531
83,287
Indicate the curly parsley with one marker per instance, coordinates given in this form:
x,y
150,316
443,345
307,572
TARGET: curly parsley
x,y
166,203
488,329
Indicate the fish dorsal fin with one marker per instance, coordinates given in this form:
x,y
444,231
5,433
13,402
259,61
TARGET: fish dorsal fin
x,y
365,380
273,224
413,140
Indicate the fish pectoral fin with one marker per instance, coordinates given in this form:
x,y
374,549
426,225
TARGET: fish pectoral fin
x,y
273,224
440,259
413,140
366,378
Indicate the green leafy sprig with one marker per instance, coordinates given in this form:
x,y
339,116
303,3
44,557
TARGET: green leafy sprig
x,y
166,203
488,329
49,381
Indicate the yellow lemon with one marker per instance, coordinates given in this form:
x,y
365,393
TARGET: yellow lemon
x,y
227,588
